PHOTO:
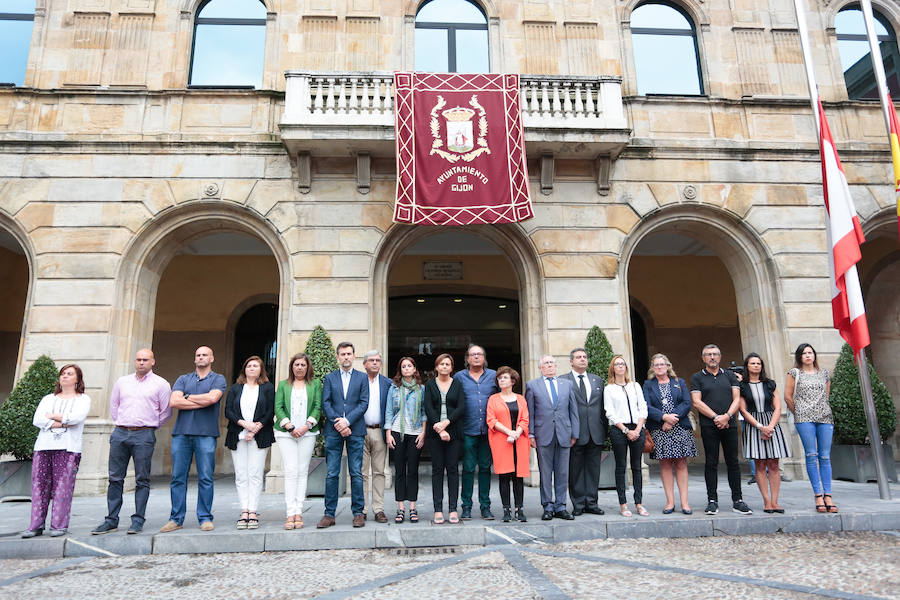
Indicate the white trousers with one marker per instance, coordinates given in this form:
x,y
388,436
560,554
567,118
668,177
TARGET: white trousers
x,y
295,456
249,468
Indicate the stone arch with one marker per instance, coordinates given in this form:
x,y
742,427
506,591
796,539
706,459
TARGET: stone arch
x,y
488,6
691,7
889,10
9,225
191,6
752,270
518,249
148,254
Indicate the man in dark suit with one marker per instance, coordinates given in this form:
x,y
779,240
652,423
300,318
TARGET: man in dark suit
x,y
375,446
345,398
584,457
553,428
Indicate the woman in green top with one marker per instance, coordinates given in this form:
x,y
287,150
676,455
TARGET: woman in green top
x,y
298,408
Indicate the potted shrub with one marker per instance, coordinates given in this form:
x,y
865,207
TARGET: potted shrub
x,y
17,433
851,454
600,354
321,352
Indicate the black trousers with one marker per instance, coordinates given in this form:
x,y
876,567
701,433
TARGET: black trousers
x,y
444,457
712,438
124,446
621,447
406,467
518,484
584,474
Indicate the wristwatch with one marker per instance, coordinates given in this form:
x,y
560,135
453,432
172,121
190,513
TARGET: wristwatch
x,y
186,396
293,427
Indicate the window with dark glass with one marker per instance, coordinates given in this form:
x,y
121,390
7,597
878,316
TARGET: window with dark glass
x,y
16,23
856,57
666,58
451,37
229,44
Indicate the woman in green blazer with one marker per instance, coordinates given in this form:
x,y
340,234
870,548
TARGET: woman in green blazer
x,y
298,408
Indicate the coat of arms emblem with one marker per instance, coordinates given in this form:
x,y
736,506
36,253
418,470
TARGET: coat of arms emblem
x,y
459,136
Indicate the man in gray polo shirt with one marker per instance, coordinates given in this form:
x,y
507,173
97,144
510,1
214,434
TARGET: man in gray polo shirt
x,y
196,395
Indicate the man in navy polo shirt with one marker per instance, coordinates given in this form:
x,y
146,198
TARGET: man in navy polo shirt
x,y
196,395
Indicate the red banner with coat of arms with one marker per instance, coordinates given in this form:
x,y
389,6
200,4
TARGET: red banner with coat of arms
x,y
460,149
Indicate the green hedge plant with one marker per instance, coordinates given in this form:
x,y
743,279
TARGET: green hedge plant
x,y
321,351
846,402
17,433
599,351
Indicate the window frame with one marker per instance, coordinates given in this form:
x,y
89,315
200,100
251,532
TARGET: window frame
x,y
669,32
451,28
881,19
5,16
198,20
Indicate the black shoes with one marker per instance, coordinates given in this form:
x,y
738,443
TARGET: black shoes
x,y
520,515
104,527
564,514
712,508
577,512
594,510
741,507
466,513
135,528
507,514
547,516
486,514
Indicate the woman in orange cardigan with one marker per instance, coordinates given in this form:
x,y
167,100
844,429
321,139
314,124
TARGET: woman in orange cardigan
x,y
509,447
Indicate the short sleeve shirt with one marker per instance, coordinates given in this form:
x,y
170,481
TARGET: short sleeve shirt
x,y
198,421
715,391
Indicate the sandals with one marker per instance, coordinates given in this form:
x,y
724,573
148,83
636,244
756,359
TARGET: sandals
x,y
437,520
401,516
243,521
298,522
253,521
289,523
830,507
642,511
820,508
625,513
413,515
454,518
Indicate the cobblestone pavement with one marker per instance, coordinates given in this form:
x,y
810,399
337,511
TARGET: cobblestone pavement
x,y
828,565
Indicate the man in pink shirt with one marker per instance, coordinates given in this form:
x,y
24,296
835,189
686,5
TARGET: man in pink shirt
x,y
138,405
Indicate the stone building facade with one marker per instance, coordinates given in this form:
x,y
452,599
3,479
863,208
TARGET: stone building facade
x,y
139,210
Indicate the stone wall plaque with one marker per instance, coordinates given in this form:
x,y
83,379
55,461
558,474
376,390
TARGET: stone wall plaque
x,y
442,270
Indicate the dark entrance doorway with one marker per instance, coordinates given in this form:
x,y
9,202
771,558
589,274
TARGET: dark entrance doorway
x,y
255,334
427,325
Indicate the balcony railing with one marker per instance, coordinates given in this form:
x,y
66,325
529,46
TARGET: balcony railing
x,y
339,111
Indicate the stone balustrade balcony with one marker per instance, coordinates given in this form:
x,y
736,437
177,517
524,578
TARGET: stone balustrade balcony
x,y
344,113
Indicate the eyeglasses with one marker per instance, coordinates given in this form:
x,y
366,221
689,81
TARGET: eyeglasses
x,y
658,365
619,364
476,353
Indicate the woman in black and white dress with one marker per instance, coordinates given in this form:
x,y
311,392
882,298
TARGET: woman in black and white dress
x,y
764,439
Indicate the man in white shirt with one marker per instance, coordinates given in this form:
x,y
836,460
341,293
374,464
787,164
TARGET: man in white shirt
x,y
374,446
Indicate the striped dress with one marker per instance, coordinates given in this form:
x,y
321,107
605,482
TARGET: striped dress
x,y
754,446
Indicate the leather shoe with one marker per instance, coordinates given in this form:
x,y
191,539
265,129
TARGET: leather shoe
x,y
486,514
594,510
359,520
325,521
547,516
577,512
380,517
564,514
466,513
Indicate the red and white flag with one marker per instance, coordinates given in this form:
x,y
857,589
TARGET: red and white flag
x,y
844,237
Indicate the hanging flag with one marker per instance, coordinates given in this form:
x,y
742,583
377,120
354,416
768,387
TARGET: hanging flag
x,y
460,149
895,155
844,237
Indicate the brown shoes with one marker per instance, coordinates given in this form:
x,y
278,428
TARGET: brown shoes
x,y
359,520
325,522
207,526
170,526
381,517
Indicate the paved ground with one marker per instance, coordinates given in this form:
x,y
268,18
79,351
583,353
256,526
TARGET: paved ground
x,y
860,509
802,565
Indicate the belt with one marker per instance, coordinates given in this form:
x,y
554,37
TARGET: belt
x,y
373,426
134,428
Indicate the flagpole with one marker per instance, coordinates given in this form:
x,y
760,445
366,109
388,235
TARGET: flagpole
x,y
877,62
862,366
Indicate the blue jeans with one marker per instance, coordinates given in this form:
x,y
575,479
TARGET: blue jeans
x,y
184,449
816,438
334,448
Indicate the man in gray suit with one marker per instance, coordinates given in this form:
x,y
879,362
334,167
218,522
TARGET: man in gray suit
x,y
584,457
553,428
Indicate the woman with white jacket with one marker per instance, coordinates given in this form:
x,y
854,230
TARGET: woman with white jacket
x,y
626,411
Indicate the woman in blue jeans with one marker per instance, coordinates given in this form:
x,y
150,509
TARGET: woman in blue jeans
x,y
806,394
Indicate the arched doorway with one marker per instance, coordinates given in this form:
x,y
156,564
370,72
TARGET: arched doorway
x,y
255,334
15,273
185,281
879,272
477,284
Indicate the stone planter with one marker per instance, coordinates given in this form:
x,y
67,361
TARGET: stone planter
x,y
15,480
315,485
856,463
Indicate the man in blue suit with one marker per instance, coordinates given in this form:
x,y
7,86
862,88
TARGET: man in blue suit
x,y
345,398
375,446
553,427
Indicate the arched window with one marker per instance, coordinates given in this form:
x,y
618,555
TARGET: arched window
x,y
229,44
16,22
856,60
451,37
666,59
